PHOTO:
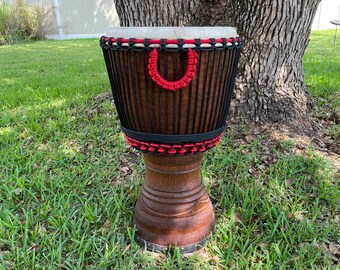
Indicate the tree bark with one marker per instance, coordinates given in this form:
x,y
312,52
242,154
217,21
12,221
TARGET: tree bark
x,y
270,86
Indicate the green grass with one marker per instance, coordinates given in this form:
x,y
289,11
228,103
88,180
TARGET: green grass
x,y
66,202
322,69
322,66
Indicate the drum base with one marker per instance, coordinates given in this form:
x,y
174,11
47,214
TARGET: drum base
x,y
174,209
169,249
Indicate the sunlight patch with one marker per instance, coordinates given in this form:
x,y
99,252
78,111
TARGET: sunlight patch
x,y
6,131
70,148
8,81
57,102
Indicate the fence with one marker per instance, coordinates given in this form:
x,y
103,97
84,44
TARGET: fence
x,y
90,18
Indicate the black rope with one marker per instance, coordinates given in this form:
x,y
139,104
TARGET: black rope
x,y
133,100
124,86
203,102
145,63
209,91
140,105
167,94
115,94
227,85
116,87
189,111
181,93
232,82
175,95
198,72
167,138
216,81
160,91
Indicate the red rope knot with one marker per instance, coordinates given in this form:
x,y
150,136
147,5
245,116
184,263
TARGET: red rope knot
x,y
202,149
182,151
172,151
143,148
151,149
193,150
172,86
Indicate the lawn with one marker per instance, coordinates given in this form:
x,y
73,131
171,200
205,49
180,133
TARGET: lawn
x,y
69,182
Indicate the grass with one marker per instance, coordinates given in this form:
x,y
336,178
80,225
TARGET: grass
x,y
322,69
322,66
69,182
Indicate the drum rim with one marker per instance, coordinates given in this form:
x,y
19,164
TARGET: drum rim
x,y
138,43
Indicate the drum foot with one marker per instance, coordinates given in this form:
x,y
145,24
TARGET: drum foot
x,y
170,249
174,209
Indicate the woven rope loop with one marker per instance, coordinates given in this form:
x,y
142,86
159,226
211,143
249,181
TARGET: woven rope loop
x,y
173,149
172,86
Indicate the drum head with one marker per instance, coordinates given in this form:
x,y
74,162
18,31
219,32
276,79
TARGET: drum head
x,y
172,32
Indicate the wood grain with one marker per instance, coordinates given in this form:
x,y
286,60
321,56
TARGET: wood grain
x,y
174,207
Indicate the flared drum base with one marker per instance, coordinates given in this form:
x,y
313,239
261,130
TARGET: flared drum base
x,y
174,209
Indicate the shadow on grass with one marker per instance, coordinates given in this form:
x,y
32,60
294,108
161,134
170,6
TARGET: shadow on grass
x,y
274,207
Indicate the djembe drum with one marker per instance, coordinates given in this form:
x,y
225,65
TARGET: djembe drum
x,y
172,88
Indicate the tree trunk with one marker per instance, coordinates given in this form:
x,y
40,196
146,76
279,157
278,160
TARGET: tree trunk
x,y
270,86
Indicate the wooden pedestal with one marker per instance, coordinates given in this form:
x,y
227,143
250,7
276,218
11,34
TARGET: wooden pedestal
x,y
174,208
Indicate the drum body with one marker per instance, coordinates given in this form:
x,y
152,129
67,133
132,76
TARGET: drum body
x,y
172,89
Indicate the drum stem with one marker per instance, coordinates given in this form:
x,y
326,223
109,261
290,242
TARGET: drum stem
x,y
174,208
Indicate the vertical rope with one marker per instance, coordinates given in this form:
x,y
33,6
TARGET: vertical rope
x,y
138,83
175,95
160,91
181,92
237,54
197,91
153,106
133,99
124,86
206,81
145,61
209,93
167,94
226,87
216,82
223,88
219,99
116,89
115,55
189,109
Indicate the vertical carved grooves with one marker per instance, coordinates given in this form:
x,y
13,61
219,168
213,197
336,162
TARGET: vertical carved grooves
x,y
200,107
174,207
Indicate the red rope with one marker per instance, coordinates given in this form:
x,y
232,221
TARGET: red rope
x,y
172,86
173,149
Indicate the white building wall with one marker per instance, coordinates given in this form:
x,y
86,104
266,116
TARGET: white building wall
x,y
90,18
78,18
328,10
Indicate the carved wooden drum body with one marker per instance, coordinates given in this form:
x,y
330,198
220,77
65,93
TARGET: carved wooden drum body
x,y
172,88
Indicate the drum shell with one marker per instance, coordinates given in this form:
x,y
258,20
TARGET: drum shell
x,y
200,107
